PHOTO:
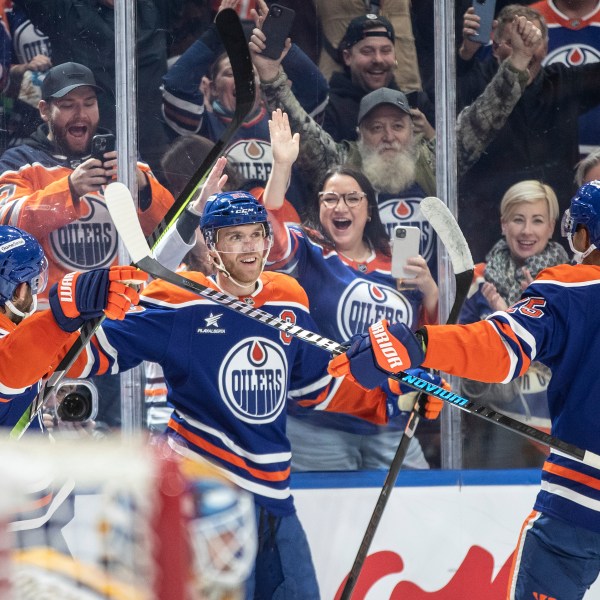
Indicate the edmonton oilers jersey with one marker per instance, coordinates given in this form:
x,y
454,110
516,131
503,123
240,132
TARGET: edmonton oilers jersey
x,y
229,377
556,322
574,42
403,209
345,297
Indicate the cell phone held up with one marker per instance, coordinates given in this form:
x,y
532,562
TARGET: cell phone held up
x,y
102,143
484,9
405,245
276,27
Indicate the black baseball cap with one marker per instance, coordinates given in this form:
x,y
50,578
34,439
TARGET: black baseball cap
x,y
382,96
62,79
362,27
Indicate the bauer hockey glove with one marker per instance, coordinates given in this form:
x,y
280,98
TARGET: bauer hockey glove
x,y
402,397
383,350
78,297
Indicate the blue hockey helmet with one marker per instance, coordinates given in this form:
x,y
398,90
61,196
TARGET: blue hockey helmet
x,y
227,209
21,260
584,210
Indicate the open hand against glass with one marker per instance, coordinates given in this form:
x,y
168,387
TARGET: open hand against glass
x,y
284,145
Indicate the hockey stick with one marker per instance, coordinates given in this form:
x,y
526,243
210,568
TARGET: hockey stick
x,y
122,210
234,41
449,233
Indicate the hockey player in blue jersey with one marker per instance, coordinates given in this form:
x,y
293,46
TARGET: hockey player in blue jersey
x,y
44,336
557,323
230,379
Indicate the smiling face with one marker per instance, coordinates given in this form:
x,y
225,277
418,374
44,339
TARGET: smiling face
x,y
371,61
72,120
527,229
386,129
344,225
241,249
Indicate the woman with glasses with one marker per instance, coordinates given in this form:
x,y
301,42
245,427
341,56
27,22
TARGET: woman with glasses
x,y
341,256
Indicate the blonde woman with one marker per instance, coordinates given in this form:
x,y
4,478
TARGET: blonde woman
x,y
528,214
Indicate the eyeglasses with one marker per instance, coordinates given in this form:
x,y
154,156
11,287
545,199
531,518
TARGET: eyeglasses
x,y
331,199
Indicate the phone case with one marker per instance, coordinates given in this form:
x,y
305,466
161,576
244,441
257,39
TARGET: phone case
x,y
102,143
277,27
484,9
405,244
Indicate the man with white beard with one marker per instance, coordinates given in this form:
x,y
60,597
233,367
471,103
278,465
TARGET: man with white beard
x,y
399,163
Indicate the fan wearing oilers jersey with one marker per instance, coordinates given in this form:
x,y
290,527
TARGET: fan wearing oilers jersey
x,y
556,322
231,379
342,260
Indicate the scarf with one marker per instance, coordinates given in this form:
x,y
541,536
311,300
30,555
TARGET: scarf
x,y
507,276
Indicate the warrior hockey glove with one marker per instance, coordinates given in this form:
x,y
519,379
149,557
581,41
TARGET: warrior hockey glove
x,y
405,396
78,297
383,350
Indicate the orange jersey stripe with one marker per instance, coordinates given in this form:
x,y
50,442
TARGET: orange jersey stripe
x,y
229,457
573,475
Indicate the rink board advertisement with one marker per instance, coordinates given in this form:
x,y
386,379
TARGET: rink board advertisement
x,y
444,535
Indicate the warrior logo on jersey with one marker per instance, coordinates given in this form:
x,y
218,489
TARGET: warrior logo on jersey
x,y
253,158
573,55
363,303
88,243
406,211
252,380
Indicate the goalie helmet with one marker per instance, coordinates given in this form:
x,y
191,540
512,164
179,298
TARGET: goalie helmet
x,y
21,260
222,531
227,209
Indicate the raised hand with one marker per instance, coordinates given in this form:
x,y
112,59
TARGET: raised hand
x,y
267,68
214,184
494,299
284,145
471,23
525,39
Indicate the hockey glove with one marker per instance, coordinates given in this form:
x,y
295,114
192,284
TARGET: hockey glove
x,y
383,350
429,408
79,297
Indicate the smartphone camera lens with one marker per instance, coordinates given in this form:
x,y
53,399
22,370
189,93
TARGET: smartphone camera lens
x,y
400,233
276,11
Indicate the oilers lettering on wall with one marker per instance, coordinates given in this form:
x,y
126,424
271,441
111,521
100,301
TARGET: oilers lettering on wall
x,y
252,380
406,211
363,303
253,158
88,243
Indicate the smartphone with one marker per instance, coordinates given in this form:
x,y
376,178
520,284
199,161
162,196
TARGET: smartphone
x,y
102,143
484,9
277,27
405,244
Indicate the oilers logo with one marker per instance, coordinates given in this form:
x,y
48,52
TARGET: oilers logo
x,y
88,243
253,158
406,211
363,303
252,380
573,55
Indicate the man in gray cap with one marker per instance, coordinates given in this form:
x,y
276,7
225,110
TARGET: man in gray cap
x,y
368,55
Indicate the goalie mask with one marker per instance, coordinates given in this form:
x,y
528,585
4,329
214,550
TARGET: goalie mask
x,y
231,209
22,260
584,210
222,533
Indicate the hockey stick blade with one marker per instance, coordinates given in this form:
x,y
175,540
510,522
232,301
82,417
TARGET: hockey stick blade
x,y
445,226
231,32
234,41
131,234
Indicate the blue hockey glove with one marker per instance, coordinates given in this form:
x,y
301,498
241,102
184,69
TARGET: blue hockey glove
x,y
78,297
401,397
383,350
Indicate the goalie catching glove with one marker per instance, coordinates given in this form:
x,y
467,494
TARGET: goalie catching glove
x,y
401,397
384,349
79,297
